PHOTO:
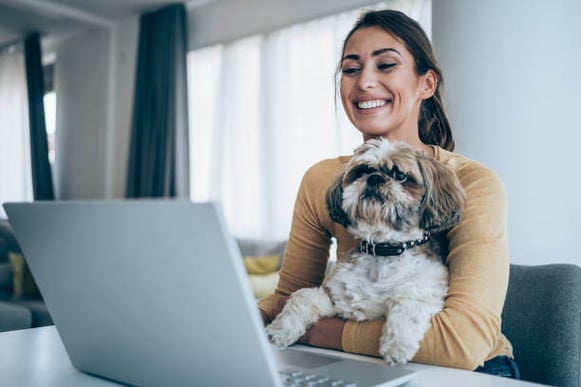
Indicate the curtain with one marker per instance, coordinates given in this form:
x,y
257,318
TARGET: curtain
x,y
263,110
15,169
41,171
158,157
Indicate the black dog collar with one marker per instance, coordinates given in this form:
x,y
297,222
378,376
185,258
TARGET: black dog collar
x,y
387,249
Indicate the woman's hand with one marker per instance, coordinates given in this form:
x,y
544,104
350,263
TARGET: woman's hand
x,y
326,333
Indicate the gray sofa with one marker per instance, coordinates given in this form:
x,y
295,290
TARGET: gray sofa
x,y
21,305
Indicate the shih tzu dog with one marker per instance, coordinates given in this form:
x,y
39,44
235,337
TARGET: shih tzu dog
x,y
396,201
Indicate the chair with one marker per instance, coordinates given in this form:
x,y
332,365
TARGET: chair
x,y
542,319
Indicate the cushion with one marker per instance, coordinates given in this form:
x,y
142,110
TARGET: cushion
x,y
262,259
263,284
24,284
262,265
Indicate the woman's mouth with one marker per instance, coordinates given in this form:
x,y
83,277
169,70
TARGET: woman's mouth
x,y
372,104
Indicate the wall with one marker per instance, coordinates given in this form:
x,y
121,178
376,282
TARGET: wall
x,y
94,77
81,117
513,95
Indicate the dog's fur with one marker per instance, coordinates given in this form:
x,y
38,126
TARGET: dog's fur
x,y
388,192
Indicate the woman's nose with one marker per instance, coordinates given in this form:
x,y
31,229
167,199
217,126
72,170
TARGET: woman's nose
x,y
367,78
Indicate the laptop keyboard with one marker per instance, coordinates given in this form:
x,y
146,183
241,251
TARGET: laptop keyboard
x,y
301,379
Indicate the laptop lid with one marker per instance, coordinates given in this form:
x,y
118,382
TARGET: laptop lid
x,y
146,292
154,292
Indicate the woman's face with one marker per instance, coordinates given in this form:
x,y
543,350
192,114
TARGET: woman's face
x,y
380,90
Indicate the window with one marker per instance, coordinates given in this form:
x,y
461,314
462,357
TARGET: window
x,y
50,109
262,111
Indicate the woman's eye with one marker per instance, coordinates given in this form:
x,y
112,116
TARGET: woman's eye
x,y
386,66
350,70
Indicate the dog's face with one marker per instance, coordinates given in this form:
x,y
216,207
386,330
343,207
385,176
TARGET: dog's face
x,y
392,187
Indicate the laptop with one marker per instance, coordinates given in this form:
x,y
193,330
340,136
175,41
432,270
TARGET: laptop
x,y
154,292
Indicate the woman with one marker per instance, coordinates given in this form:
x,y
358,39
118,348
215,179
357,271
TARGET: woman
x,y
390,87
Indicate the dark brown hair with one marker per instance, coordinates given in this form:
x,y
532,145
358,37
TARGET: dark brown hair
x,y
433,125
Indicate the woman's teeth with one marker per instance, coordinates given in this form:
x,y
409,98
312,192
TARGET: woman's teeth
x,y
371,104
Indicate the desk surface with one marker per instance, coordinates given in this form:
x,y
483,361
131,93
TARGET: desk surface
x,y
36,357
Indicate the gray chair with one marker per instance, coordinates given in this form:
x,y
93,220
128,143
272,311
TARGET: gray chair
x,y
542,319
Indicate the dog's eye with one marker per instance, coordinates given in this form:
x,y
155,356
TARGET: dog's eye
x,y
398,175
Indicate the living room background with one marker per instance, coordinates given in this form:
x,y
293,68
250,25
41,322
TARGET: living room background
x,y
510,90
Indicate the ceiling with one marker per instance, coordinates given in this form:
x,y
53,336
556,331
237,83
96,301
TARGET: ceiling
x,y
56,19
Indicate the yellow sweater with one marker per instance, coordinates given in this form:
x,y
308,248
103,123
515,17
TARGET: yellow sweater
x,y
467,331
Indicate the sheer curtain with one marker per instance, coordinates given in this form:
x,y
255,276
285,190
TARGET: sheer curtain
x,y
15,168
262,111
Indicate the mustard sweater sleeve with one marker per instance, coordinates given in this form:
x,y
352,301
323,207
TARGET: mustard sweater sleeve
x,y
467,331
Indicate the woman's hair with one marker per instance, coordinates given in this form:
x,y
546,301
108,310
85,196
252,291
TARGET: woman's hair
x,y
433,125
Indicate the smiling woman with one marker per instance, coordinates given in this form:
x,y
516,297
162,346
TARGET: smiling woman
x,y
390,90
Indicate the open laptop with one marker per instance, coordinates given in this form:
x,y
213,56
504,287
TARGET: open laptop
x,y
155,293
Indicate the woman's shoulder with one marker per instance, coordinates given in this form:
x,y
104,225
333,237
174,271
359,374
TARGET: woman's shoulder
x,y
324,171
464,166
473,175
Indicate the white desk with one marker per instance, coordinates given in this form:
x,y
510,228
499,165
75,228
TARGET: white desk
x,y
36,357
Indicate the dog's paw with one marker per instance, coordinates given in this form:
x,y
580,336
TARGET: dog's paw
x,y
394,352
283,335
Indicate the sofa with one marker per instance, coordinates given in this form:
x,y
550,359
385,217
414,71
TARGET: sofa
x,y
21,305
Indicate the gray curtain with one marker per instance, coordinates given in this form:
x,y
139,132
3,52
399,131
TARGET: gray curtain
x,y
158,157
41,172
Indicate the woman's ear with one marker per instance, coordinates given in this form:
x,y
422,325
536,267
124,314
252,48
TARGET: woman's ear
x,y
334,199
428,84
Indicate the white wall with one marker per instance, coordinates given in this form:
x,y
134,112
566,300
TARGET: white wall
x,y
81,87
94,78
513,94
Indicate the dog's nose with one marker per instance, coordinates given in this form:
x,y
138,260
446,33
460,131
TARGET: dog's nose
x,y
375,180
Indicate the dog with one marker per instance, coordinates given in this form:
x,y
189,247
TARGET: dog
x,y
394,200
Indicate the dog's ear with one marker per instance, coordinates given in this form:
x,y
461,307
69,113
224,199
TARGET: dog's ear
x,y
444,199
334,199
